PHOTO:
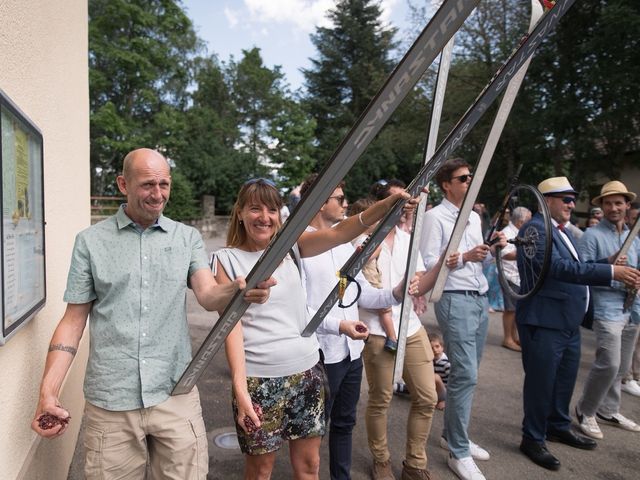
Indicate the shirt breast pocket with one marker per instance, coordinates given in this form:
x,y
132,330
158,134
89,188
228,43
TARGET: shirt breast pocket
x,y
174,264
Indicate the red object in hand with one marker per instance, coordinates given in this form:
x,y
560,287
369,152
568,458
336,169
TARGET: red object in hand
x,y
361,328
251,427
46,421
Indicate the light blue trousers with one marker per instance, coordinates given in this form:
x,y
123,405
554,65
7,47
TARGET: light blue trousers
x,y
463,320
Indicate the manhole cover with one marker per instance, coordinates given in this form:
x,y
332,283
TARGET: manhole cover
x,y
227,440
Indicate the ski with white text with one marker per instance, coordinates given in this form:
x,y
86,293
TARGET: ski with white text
x,y
446,21
508,70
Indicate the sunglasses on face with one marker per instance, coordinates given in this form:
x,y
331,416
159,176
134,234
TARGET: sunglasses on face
x,y
463,178
565,199
266,181
340,198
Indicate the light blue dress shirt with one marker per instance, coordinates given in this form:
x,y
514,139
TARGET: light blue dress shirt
x,y
598,243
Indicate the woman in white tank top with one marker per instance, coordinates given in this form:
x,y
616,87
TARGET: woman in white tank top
x,y
277,379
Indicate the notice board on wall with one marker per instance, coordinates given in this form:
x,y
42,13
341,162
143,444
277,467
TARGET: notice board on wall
x,y
22,269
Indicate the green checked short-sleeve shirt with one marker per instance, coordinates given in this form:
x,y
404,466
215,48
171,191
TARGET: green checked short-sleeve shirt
x,y
137,281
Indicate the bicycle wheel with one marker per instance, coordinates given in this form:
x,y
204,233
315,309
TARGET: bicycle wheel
x,y
533,267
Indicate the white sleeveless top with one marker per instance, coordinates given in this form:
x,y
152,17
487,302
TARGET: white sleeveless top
x,y
273,344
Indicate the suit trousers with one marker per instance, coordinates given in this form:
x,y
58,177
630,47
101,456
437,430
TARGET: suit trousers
x,y
345,378
419,377
550,359
615,342
464,321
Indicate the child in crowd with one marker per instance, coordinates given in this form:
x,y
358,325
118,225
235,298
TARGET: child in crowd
x,y
373,276
441,367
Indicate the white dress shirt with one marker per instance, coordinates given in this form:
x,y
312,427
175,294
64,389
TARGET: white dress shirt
x,y
392,263
574,252
320,274
510,267
436,231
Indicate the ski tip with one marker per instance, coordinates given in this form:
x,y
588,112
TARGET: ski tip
x,y
180,390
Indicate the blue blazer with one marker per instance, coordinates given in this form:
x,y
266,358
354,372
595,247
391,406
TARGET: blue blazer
x,y
561,301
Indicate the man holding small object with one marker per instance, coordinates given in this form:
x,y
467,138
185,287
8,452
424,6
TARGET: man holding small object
x,y
130,273
341,333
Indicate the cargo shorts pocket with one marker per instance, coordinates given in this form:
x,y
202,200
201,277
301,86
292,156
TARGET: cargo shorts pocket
x,y
94,445
202,449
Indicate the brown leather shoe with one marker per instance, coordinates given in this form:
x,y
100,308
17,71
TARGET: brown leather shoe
x,y
382,471
410,473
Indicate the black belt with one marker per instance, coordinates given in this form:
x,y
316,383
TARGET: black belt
x,y
473,293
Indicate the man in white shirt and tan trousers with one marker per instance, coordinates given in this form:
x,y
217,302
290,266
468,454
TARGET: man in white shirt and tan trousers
x,y
341,343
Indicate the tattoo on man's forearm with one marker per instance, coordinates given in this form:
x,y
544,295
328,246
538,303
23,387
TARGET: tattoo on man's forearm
x,y
63,348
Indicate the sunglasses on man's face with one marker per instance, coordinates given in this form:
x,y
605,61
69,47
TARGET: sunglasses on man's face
x,y
565,199
463,178
339,198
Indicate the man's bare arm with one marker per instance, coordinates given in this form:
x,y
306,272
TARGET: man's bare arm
x,y
215,296
62,350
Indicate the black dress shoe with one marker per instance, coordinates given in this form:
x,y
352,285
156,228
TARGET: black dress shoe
x,y
539,454
568,437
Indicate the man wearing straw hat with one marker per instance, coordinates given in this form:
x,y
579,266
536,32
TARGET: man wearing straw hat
x,y
614,326
549,327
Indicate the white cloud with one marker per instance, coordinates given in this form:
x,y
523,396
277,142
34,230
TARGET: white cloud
x,y
304,15
387,7
232,17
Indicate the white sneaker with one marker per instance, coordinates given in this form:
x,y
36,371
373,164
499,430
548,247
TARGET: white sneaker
x,y
477,452
619,420
465,468
631,387
588,425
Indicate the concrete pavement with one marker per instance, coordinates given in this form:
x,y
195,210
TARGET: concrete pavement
x,y
495,422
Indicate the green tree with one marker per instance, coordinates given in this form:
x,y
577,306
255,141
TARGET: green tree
x,y
354,58
577,111
257,93
481,46
587,91
140,65
293,131
209,157
181,205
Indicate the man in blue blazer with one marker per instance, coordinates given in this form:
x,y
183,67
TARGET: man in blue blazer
x,y
549,326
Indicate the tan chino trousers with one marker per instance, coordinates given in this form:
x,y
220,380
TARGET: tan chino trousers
x,y
419,376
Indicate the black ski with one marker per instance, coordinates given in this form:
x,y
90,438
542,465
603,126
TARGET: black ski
x,y
419,57
517,59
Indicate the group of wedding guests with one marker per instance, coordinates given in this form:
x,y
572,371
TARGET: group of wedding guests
x,y
131,271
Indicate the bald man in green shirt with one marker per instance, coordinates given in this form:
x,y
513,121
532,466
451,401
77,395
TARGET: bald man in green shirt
x,y
130,274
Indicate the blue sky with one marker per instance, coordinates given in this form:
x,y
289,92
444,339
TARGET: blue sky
x,y
280,28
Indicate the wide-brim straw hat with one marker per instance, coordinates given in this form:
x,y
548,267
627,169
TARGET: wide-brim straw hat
x,y
556,185
614,187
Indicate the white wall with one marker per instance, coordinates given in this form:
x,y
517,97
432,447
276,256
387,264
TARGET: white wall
x,y
43,69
